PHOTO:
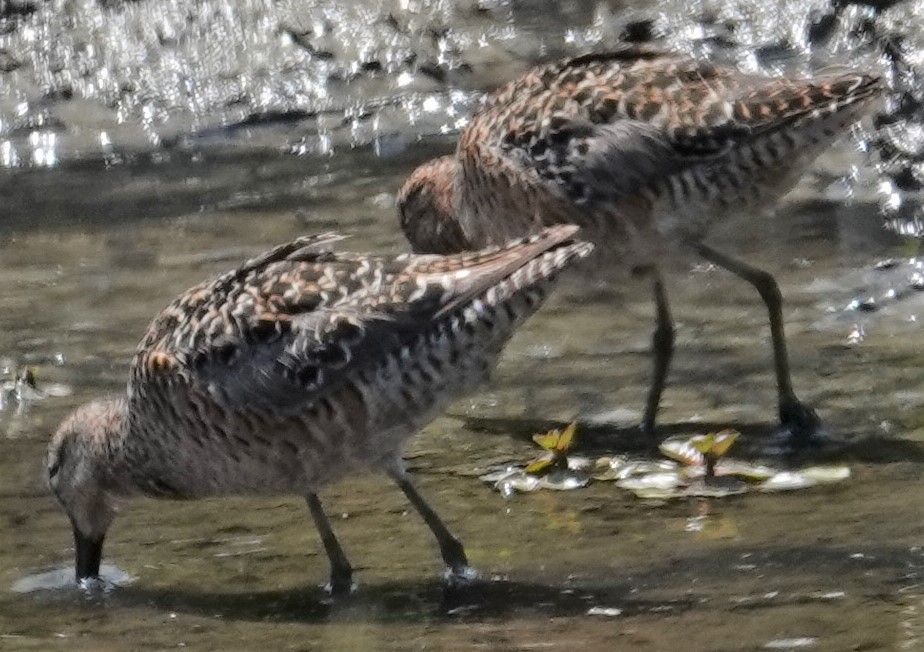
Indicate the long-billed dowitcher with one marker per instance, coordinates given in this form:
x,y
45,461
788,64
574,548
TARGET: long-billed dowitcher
x,y
299,367
644,150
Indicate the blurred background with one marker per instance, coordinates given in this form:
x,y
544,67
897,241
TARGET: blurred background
x,y
108,83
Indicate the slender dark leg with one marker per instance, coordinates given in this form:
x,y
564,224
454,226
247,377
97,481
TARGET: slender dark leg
x,y
662,343
451,548
800,419
341,573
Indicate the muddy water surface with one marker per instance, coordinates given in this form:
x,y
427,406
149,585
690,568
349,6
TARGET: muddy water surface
x,y
828,569
138,155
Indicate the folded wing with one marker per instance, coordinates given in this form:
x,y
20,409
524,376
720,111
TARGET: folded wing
x,y
286,327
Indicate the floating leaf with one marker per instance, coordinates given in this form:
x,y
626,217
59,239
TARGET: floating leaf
x,y
509,480
689,452
787,481
512,480
714,443
580,463
827,474
607,468
744,470
662,481
682,450
735,468
808,477
555,440
686,474
541,463
567,437
564,480
517,483
498,473
723,440
619,468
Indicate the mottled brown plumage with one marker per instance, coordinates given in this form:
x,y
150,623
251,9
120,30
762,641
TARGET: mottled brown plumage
x,y
644,150
298,368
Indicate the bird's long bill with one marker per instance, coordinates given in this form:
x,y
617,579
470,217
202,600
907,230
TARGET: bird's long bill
x,y
89,553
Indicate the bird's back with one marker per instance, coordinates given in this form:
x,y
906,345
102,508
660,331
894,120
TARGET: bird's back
x,y
305,364
638,143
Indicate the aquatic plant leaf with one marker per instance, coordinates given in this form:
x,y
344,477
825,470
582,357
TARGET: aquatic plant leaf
x,y
566,439
702,443
607,468
557,440
521,483
682,450
580,463
659,479
510,480
744,470
663,481
497,473
826,474
540,463
644,467
808,477
734,468
547,440
714,443
564,480
723,440
787,481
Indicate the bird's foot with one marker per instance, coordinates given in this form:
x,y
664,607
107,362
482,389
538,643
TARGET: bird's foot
x,y
459,576
801,422
341,584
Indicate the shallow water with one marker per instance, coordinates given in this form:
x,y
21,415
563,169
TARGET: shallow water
x,y
828,568
92,246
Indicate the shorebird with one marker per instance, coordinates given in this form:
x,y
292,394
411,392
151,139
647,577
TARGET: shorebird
x,y
298,368
645,150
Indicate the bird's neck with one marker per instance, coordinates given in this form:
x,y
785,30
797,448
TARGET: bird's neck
x,y
121,450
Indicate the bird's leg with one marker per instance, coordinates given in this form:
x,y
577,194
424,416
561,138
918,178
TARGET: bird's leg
x,y
451,548
662,344
800,419
341,573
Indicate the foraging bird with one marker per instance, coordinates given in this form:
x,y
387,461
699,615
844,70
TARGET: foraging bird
x,y
644,150
294,370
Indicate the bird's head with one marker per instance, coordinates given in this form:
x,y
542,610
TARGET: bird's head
x,y
79,457
428,209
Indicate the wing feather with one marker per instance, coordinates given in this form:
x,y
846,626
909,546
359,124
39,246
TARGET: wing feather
x,y
288,326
